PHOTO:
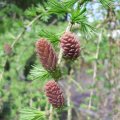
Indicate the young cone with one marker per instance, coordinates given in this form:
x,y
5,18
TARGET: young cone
x,y
7,49
54,94
46,54
70,45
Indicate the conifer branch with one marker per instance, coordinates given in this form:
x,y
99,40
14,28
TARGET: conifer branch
x,y
39,73
17,39
22,33
31,114
77,16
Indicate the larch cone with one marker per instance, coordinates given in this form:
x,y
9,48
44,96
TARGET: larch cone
x,y
54,94
70,45
46,54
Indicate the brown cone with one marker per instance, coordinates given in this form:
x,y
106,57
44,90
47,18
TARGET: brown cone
x,y
46,54
54,94
7,49
70,45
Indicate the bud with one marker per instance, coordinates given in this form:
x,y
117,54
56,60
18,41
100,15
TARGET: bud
x,y
54,94
46,54
70,45
7,49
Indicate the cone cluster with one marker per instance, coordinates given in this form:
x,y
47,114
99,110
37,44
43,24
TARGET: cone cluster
x,y
48,58
54,94
70,45
46,54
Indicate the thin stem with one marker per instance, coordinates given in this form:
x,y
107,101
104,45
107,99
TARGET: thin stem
x,y
60,56
35,19
17,38
69,116
95,69
61,51
46,108
21,34
69,27
78,85
51,113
